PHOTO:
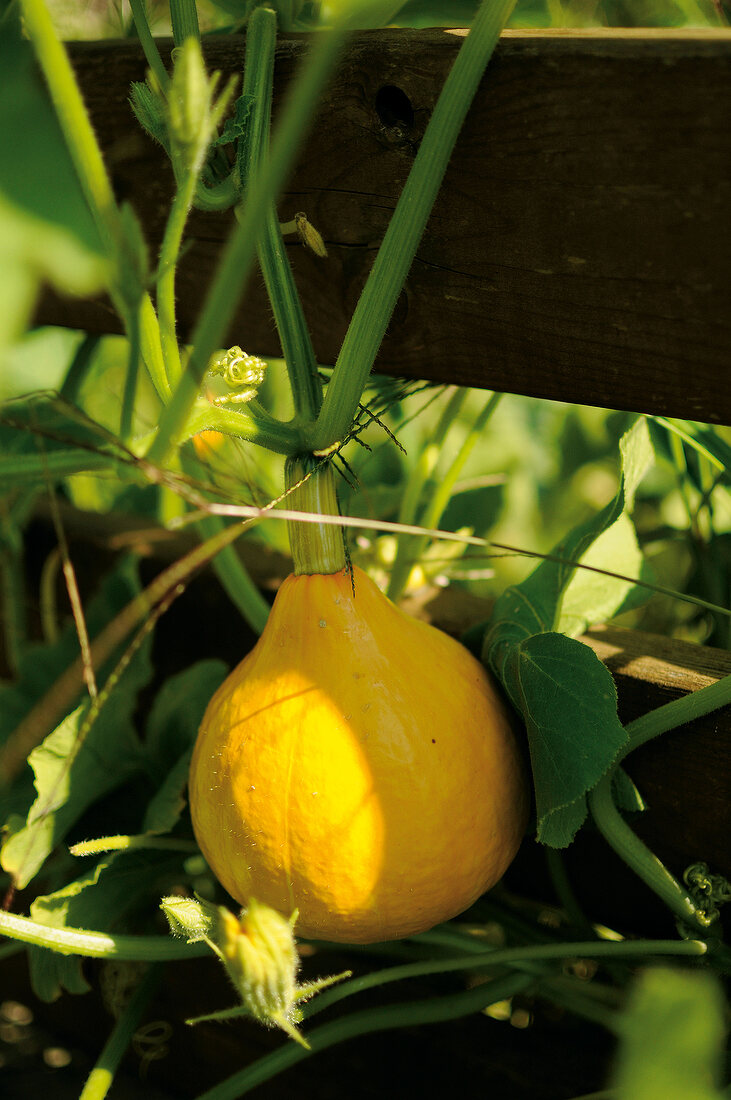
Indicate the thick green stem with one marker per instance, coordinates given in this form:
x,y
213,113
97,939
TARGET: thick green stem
x,y
97,945
638,856
297,349
184,19
508,956
299,355
167,264
565,893
435,1009
101,1077
316,547
283,439
678,713
405,229
151,347
12,591
74,120
431,1011
238,256
127,412
151,52
79,366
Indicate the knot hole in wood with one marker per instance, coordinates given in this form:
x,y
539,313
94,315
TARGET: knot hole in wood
x,y
396,114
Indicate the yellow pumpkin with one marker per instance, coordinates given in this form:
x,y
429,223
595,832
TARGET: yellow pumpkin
x,y
357,766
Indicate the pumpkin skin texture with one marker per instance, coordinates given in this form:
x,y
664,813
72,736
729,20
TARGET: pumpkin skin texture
x,y
357,766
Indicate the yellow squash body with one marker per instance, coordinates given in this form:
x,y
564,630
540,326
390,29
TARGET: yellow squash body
x,y
357,766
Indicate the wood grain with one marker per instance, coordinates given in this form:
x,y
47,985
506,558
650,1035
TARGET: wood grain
x,y
578,250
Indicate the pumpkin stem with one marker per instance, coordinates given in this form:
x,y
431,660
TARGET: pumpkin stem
x,y
316,547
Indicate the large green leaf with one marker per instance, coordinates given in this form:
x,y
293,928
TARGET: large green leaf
x,y
171,732
102,900
536,604
74,767
590,597
564,694
178,709
46,228
569,704
672,1039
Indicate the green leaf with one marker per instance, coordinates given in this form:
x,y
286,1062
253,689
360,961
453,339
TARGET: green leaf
x,y
101,900
74,767
565,695
70,774
536,605
177,711
46,228
569,704
235,127
167,804
589,597
44,438
171,732
672,1039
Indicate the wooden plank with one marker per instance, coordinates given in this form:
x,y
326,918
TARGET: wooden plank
x,y
578,250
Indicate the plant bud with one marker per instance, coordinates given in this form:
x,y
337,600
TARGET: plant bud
x,y
195,920
192,115
149,108
260,956
189,102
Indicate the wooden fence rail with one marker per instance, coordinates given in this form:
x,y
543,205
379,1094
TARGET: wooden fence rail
x,y
578,250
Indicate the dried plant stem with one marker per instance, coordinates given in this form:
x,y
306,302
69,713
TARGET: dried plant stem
x,y
59,699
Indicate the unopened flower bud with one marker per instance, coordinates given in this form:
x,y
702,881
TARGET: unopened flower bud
x,y
189,101
192,114
189,918
261,958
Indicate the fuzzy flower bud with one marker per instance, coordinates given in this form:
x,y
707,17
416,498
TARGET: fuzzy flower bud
x,y
261,958
189,918
192,115
260,955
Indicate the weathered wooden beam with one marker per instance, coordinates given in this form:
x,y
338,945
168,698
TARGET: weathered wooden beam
x,y
578,250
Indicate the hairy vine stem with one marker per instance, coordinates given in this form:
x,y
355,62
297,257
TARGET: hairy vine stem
x,y
618,833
